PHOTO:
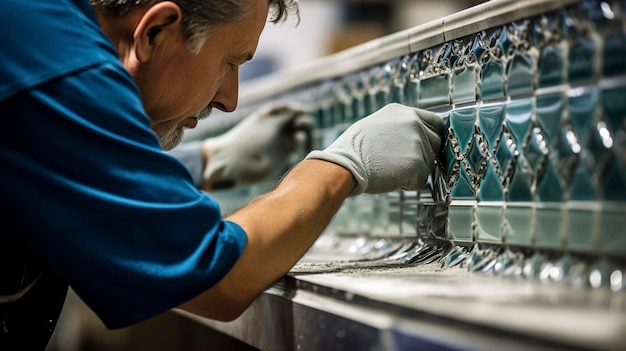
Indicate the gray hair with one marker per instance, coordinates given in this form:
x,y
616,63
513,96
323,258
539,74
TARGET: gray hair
x,y
199,16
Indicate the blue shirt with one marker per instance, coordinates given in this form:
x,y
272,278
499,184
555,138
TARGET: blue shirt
x,y
83,180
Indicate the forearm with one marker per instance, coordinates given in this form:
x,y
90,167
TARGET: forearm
x,y
308,197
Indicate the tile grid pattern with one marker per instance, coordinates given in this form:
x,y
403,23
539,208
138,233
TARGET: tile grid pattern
x,y
532,175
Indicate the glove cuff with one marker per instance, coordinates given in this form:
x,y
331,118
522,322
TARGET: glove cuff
x,y
344,162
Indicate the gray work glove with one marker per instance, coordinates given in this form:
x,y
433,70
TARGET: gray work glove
x,y
257,148
393,148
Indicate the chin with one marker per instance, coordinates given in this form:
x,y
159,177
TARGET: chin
x,y
169,136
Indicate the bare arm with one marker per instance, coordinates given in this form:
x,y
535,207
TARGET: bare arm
x,y
394,148
281,226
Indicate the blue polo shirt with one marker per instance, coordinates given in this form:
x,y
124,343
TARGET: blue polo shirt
x,y
84,183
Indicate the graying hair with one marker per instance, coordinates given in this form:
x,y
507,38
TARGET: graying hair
x,y
200,15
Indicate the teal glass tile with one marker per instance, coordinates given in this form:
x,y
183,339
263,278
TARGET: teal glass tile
x,y
536,149
614,182
612,238
550,187
550,115
582,187
490,121
462,124
475,159
383,97
505,152
357,109
518,119
550,67
581,109
369,102
519,74
581,60
569,152
462,188
434,64
434,91
397,94
581,225
464,84
490,188
614,105
520,186
411,88
614,53
492,79
488,220
460,220
517,228
549,226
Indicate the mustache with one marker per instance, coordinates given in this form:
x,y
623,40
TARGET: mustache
x,y
204,113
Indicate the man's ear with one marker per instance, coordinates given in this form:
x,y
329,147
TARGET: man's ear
x,y
160,23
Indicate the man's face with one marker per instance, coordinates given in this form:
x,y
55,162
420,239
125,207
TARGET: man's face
x,y
179,87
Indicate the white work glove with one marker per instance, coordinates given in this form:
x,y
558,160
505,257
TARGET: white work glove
x,y
257,148
393,148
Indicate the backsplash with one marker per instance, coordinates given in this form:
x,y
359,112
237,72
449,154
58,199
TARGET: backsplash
x,y
531,180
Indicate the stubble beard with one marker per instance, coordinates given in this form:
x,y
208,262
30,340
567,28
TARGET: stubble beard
x,y
171,136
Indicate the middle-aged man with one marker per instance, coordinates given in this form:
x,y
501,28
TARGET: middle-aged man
x,y
89,198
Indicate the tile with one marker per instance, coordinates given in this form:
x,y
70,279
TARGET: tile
x,y
549,227
612,237
581,60
550,115
460,219
581,224
520,185
519,73
462,124
488,222
518,119
550,185
518,225
490,122
490,188
614,52
464,83
550,67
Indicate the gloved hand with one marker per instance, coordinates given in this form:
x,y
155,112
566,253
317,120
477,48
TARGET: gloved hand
x,y
393,148
257,148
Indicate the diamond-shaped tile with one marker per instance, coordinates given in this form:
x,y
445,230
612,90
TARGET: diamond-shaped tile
x,y
490,121
462,124
550,115
581,108
582,186
536,149
492,79
490,188
519,74
550,186
518,119
614,54
520,186
550,67
581,60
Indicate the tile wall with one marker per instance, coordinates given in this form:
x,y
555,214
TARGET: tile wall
x,y
532,177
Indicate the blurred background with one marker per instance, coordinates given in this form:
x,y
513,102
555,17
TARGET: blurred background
x,y
329,26
326,27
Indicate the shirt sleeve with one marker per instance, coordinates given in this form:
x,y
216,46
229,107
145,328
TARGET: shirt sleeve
x,y
93,194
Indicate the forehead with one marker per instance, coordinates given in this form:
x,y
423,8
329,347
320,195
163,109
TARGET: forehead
x,y
241,38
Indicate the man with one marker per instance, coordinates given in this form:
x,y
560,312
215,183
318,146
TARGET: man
x,y
90,200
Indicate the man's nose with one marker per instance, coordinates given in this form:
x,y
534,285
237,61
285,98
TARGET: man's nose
x,y
227,94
